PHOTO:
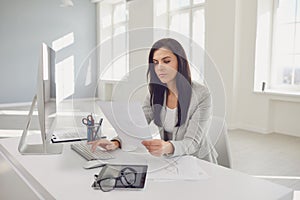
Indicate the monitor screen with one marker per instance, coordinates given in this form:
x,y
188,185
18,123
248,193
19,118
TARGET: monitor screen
x,y
46,90
46,106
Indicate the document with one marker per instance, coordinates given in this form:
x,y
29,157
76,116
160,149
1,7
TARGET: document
x,y
178,168
129,121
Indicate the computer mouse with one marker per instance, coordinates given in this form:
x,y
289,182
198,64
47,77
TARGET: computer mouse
x,y
94,164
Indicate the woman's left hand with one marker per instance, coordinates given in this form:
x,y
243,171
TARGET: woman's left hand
x,y
158,147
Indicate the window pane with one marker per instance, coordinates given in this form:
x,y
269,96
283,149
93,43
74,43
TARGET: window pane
x,y
105,15
107,73
286,11
161,7
198,48
119,68
283,73
285,39
297,70
198,1
298,11
119,13
199,27
287,75
297,39
284,76
119,30
105,21
175,4
180,23
297,76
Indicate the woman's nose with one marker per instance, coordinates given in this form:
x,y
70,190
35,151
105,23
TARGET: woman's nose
x,y
160,67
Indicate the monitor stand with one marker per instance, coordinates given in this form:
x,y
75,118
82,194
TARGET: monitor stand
x,y
40,149
37,149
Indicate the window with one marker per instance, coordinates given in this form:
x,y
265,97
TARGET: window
x,y
186,17
278,46
285,67
113,26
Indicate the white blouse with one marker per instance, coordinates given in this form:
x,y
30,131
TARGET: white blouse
x,y
170,119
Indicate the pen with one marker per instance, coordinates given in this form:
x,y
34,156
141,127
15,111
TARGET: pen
x,y
100,123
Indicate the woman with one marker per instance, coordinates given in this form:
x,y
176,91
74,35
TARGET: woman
x,y
179,107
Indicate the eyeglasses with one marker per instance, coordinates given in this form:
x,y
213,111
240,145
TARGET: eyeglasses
x,y
127,178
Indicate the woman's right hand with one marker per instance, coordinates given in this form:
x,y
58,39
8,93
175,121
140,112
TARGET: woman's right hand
x,y
105,144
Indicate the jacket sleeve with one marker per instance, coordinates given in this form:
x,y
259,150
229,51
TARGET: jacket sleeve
x,y
195,135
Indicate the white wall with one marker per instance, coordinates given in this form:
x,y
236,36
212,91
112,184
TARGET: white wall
x,y
24,25
219,44
252,108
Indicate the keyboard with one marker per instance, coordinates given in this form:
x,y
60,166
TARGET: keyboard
x,y
84,149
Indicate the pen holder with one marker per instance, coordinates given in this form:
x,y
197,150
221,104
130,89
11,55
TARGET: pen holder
x,y
93,132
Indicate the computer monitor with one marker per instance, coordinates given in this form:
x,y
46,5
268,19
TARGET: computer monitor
x,y
42,98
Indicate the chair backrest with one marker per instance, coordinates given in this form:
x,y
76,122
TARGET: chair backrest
x,y
219,139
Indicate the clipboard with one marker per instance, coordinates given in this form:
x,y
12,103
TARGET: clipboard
x,y
68,135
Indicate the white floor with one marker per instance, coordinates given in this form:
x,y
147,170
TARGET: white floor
x,y
274,157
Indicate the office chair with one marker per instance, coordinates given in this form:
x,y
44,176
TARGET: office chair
x,y
219,139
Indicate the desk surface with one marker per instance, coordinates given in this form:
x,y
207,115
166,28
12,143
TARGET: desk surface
x,y
64,177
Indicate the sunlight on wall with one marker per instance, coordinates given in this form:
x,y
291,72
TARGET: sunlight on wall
x,y
63,42
64,78
64,70
45,62
88,77
279,177
16,133
17,112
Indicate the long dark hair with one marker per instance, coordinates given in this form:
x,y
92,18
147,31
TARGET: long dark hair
x,y
158,89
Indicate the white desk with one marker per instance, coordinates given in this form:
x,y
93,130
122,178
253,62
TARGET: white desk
x,y
63,176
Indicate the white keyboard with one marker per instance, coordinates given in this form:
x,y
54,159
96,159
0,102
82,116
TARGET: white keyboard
x,y
84,150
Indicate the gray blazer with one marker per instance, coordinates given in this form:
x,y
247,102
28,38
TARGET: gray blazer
x,y
191,137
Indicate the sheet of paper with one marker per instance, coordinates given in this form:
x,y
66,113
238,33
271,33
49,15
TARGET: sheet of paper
x,y
128,120
179,168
